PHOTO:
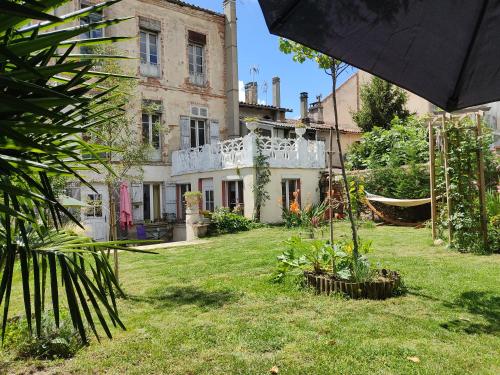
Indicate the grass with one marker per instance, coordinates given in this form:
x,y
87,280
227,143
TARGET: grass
x,y
211,309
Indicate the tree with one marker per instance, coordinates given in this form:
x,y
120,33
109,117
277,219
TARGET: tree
x,y
118,127
333,68
381,101
49,98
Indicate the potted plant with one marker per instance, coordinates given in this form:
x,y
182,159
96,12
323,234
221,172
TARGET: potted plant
x,y
300,129
193,199
252,123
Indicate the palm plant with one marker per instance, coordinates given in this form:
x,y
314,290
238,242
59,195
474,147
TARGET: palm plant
x,y
49,97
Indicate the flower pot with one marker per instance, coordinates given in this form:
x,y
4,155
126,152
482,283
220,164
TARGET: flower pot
x,y
300,132
252,126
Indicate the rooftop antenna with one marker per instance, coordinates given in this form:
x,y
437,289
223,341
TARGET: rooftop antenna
x,y
264,89
254,71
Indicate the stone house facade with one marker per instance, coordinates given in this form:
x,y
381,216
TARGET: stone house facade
x,y
186,64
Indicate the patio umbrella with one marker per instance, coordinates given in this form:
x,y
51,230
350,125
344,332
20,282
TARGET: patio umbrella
x,y
446,51
125,207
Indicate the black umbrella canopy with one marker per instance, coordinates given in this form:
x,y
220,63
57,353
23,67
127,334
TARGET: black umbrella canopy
x,y
446,51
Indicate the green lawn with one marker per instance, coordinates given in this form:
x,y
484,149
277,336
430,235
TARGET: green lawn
x,y
211,309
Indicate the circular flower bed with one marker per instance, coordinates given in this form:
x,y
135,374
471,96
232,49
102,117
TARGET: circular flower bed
x,y
381,287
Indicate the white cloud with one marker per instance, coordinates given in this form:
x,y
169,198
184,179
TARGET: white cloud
x,y
263,102
241,89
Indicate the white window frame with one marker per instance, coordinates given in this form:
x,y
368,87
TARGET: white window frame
x,y
207,186
148,68
151,200
206,130
286,181
196,77
156,153
94,202
239,194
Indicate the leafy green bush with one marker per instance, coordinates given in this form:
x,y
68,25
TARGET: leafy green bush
x,y
321,257
411,182
225,221
404,143
53,342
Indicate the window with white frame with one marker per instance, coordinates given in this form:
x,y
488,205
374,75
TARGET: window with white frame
x,y
198,132
149,41
233,195
199,128
94,205
196,56
207,188
151,123
152,200
181,202
92,33
290,192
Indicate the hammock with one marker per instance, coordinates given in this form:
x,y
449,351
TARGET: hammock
x,y
397,202
405,203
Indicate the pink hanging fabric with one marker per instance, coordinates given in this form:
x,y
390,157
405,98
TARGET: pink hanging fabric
x,y
125,207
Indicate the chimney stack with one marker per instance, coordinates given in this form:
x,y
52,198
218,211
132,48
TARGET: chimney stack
x,y
276,92
231,60
251,96
303,105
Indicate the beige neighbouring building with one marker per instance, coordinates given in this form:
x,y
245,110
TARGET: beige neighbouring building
x,y
187,66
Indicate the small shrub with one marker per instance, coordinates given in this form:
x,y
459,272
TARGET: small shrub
x,y
54,342
225,221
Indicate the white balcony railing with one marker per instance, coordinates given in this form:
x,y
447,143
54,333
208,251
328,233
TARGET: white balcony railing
x,y
241,152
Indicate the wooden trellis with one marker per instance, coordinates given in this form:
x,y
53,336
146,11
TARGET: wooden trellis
x,y
437,123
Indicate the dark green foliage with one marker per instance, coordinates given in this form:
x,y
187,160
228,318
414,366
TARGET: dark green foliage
x,y
54,341
381,101
262,178
225,221
320,257
411,182
406,142
464,193
49,98
395,158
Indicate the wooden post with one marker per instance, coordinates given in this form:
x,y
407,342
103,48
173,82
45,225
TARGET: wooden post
x,y
447,178
432,174
481,185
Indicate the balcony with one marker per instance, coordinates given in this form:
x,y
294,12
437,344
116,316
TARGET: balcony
x,y
241,152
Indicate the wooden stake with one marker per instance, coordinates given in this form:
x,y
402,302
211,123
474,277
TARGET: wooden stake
x,y
482,185
447,179
432,173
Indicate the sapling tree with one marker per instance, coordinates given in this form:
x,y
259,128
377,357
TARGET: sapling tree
x,y
334,68
118,133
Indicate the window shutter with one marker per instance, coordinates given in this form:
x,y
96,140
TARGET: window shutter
x,y
171,201
185,133
197,38
214,131
137,203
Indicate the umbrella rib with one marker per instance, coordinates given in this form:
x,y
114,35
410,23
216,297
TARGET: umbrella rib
x,y
288,11
453,100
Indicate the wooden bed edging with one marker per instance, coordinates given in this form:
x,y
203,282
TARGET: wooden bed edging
x,y
379,289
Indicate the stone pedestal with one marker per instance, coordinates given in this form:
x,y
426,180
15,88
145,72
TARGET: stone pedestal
x,y
193,219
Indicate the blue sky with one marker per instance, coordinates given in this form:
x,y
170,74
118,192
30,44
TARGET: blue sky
x,y
257,47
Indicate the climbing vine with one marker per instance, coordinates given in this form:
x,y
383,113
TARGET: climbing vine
x,y
262,178
463,191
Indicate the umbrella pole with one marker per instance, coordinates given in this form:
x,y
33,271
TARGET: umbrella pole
x,y
330,184
342,164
